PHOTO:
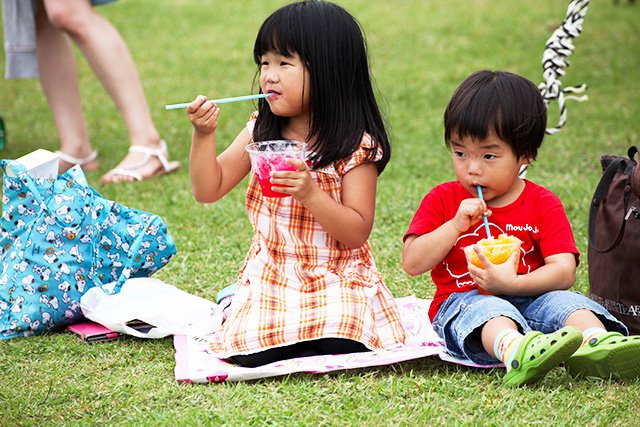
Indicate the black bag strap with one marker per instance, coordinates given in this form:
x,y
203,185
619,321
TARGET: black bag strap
x,y
635,175
601,191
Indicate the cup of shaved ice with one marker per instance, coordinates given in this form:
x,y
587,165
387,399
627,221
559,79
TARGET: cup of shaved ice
x,y
268,156
497,250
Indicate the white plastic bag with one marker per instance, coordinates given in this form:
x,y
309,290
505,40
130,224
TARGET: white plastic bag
x,y
166,309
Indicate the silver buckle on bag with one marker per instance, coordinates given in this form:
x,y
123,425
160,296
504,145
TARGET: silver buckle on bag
x,y
632,211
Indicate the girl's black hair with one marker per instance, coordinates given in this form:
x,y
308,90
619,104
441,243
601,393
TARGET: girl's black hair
x,y
343,106
506,104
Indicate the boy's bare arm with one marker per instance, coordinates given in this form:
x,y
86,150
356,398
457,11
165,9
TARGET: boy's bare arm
x,y
422,253
558,273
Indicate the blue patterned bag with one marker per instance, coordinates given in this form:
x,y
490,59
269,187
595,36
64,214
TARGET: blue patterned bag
x,y
59,238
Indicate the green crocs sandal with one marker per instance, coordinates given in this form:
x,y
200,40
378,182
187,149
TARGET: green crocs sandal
x,y
539,353
611,355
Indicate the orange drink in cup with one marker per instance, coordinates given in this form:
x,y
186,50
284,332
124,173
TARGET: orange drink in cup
x,y
497,250
268,156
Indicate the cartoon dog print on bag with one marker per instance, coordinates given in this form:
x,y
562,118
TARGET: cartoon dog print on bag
x,y
77,254
81,282
48,221
33,324
50,244
63,269
27,284
63,211
43,271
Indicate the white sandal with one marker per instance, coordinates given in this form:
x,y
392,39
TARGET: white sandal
x,y
149,153
76,160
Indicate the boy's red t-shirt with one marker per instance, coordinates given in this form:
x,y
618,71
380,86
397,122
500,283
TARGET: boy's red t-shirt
x,y
537,218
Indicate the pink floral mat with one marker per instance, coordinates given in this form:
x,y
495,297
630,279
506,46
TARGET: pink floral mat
x,y
195,363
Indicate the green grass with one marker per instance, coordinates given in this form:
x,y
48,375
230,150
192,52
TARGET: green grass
x,y
420,50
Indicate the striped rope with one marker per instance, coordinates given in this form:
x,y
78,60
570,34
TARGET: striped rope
x,y
554,60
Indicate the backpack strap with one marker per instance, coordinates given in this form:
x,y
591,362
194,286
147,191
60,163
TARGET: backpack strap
x,y
601,191
635,175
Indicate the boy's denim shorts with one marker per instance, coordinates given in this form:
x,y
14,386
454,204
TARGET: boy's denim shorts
x,y
463,313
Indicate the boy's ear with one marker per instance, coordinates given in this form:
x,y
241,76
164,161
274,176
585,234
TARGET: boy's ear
x,y
525,160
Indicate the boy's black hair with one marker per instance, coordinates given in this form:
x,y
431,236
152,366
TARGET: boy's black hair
x,y
506,104
343,106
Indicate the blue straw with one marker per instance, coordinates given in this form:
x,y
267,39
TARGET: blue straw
x,y
484,217
221,100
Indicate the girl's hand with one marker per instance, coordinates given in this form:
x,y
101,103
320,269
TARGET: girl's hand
x,y
298,184
469,212
499,279
203,115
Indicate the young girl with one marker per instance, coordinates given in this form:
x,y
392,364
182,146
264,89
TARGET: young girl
x,y
309,284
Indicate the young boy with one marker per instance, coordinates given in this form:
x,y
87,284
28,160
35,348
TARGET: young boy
x,y
494,124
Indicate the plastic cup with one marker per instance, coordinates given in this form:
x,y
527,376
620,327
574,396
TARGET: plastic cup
x,y
498,253
268,156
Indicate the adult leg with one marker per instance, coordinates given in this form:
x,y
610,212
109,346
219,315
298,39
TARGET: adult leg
x,y
59,80
103,47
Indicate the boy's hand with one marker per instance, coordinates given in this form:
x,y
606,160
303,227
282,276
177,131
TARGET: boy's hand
x,y
469,212
203,115
298,183
498,279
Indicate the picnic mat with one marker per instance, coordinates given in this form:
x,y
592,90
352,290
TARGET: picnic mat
x,y
195,363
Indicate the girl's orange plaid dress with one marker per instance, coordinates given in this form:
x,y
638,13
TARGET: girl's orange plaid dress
x,y
298,283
